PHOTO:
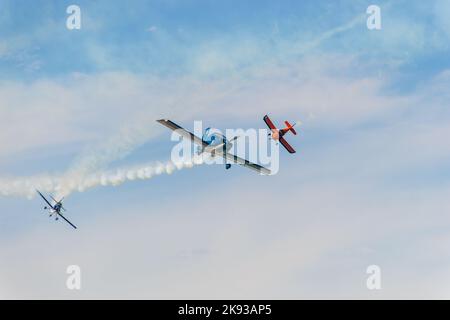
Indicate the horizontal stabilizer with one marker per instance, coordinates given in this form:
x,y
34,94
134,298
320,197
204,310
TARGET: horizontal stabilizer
x,y
290,127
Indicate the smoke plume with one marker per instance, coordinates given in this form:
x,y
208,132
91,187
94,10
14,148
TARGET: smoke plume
x,y
64,185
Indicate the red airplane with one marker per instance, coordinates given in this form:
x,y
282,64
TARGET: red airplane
x,y
277,134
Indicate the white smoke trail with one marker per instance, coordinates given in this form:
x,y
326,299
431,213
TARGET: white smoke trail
x,y
62,186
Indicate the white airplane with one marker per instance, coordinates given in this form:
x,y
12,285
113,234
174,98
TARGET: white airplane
x,y
55,209
216,145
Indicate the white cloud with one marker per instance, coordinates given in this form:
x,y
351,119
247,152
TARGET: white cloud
x,y
119,109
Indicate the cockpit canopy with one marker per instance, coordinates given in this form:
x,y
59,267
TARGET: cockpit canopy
x,y
213,137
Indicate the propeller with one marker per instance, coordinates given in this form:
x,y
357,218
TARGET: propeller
x,y
59,202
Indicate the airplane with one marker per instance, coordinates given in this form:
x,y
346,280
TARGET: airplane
x,y
216,145
55,209
278,134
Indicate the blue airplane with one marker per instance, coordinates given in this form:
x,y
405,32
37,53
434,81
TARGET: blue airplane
x,y
55,209
216,145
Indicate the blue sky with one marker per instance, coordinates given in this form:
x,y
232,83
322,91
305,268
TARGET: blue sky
x,y
119,34
368,185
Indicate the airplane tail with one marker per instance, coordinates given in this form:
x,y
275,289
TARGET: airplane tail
x,y
290,127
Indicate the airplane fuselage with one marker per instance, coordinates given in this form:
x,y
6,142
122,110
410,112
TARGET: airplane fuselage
x,y
277,134
57,207
217,143
219,148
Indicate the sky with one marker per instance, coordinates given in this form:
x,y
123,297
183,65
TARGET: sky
x,y
368,185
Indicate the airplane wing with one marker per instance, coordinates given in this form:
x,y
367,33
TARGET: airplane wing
x,y
246,163
45,199
59,214
286,145
183,132
269,122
